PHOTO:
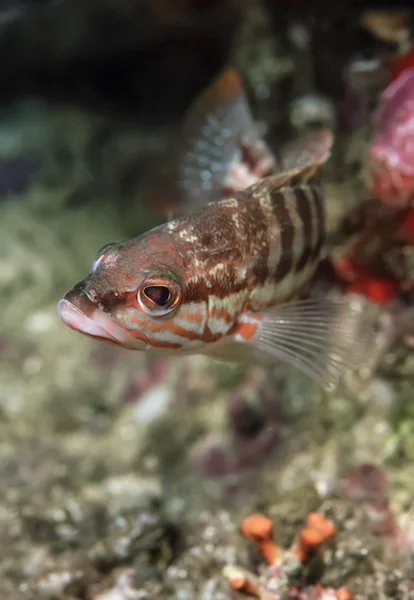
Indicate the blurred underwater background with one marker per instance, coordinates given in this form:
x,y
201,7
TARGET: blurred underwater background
x,y
126,476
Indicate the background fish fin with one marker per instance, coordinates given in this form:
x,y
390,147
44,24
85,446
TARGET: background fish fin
x,y
216,133
323,337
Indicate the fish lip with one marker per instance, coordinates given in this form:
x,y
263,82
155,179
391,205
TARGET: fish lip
x,y
95,325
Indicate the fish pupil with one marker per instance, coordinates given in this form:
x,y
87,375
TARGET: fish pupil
x,y
159,294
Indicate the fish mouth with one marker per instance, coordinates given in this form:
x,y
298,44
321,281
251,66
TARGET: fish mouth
x,y
78,313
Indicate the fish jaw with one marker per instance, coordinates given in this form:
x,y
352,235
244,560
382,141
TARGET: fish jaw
x,y
81,315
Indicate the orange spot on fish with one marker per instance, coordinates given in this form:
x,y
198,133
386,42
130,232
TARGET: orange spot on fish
x,y
191,317
220,312
246,330
161,326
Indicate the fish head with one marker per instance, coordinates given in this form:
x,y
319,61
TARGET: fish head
x,y
134,296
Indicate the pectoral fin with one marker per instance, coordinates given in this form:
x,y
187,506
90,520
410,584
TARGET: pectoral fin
x,y
322,337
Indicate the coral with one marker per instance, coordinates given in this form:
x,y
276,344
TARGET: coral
x,y
285,577
377,234
391,156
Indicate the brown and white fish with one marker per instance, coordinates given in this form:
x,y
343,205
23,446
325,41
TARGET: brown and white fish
x,y
231,278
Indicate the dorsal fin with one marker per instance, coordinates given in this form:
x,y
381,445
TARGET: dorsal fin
x,y
214,136
312,149
302,159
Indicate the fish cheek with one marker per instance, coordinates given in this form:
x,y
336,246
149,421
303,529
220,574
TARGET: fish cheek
x,y
124,310
195,290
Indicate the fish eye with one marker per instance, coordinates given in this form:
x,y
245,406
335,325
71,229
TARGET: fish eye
x,y
158,296
101,253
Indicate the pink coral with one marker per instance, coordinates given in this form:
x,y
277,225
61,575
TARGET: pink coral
x,y
379,229
392,152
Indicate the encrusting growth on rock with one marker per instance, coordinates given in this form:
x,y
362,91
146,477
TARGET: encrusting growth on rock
x,y
285,573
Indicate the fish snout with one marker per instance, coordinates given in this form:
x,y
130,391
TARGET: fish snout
x,y
79,311
80,298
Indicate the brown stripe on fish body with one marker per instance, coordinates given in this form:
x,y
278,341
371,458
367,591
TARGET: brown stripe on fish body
x,y
293,201
287,233
219,285
248,226
307,215
305,204
273,235
318,203
309,205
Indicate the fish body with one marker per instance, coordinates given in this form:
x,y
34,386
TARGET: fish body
x,y
243,253
228,279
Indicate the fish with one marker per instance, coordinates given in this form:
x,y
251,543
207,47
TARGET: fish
x,y
230,278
